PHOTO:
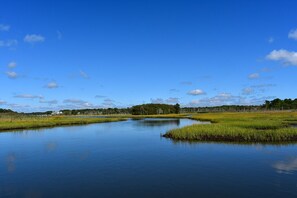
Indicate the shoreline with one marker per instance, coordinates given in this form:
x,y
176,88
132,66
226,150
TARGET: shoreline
x,y
263,127
40,123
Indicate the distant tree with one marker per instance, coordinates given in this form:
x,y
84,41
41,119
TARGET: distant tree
x,y
177,108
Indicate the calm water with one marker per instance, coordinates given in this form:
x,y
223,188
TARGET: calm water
x,y
130,159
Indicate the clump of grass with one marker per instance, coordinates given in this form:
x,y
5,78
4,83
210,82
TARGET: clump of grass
x,y
14,122
239,127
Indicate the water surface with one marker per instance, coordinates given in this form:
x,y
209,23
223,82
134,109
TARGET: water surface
x,y
130,159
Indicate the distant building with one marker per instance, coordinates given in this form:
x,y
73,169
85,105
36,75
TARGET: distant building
x,y
57,113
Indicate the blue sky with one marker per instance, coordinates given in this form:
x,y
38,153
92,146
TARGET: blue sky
x,y
91,54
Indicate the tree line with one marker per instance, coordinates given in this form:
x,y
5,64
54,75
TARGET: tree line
x,y
153,109
278,104
150,109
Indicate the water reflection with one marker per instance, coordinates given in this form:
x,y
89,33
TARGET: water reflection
x,y
158,122
124,159
50,146
10,162
286,167
81,155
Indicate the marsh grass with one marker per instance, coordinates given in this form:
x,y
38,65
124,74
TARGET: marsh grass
x,y
13,122
240,127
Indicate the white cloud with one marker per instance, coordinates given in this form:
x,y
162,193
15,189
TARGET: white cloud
x,y
12,64
79,103
218,100
287,57
4,28
50,102
170,100
196,92
228,99
12,74
248,91
34,38
52,85
2,102
8,43
83,74
28,96
254,76
293,34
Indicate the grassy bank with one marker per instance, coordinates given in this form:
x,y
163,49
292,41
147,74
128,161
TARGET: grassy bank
x,y
240,127
14,122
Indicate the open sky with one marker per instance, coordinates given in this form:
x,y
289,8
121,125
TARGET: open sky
x,y
91,54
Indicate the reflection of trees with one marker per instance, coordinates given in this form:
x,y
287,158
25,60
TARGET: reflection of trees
x,y
158,122
286,166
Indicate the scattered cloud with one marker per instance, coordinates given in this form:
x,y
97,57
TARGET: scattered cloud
x,y
79,103
270,40
74,101
52,85
18,106
100,96
170,100
293,34
264,85
108,103
186,83
59,35
33,38
254,76
28,96
286,57
286,167
50,102
157,100
248,91
8,43
4,28
12,74
173,90
228,99
218,100
83,74
196,92
2,102
12,64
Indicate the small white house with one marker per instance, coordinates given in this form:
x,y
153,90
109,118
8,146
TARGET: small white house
x,y
57,113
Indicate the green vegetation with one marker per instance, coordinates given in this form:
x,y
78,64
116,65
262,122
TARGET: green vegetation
x,y
154,109
240,127
274,105
281,104
6,111
19,121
